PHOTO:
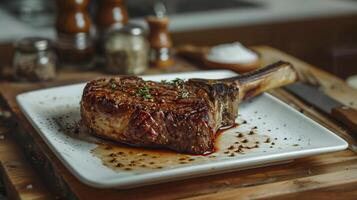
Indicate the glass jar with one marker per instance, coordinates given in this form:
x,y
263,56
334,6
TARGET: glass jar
x,y
126,50
34,59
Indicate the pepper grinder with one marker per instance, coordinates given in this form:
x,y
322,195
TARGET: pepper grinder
x,y
74,39
159,38
111,13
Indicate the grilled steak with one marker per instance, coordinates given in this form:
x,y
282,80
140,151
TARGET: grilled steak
x,y
180,115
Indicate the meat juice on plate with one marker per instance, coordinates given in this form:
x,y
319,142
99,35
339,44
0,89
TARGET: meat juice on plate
x,y
231,142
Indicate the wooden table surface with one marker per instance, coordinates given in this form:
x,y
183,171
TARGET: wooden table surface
x,y
31,170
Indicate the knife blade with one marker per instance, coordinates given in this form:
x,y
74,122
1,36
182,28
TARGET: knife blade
x,y
320,100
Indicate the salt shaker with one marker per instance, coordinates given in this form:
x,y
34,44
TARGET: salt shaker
x,y
34,59
126,50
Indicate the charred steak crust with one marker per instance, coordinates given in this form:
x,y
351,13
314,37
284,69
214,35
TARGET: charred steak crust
x,y
179,115
183,116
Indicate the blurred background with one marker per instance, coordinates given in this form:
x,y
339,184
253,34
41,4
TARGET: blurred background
x,y
321,32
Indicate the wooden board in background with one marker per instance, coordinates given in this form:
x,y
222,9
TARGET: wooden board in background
x,y
314,175
328,42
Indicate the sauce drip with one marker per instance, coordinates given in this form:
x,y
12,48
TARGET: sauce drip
x,y
120,157
219,134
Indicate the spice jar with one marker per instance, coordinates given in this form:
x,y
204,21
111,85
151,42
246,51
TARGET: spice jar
x,y
126,50
34,59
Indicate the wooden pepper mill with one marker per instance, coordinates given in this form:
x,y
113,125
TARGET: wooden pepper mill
x,y
74,40
111,13
160,41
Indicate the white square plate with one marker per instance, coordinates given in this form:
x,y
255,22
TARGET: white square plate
x,y
280,134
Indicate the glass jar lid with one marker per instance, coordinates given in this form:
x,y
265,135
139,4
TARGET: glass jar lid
x,y
33,44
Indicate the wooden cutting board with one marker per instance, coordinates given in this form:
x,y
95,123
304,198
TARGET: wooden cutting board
x,y
330,175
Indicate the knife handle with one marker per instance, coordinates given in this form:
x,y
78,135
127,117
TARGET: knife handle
x,y
347,116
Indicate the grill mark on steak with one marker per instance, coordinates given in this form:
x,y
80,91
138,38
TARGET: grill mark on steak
x,y
146,113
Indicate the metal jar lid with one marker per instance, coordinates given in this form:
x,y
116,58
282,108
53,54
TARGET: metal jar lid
x,y
132,29
33,44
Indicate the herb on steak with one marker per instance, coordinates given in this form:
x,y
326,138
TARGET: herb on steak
x,y
184,94
165,82
112,84
177,82
144,92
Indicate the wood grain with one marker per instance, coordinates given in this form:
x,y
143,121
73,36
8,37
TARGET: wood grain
x,y
325,171
285,187
21,181
346,115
